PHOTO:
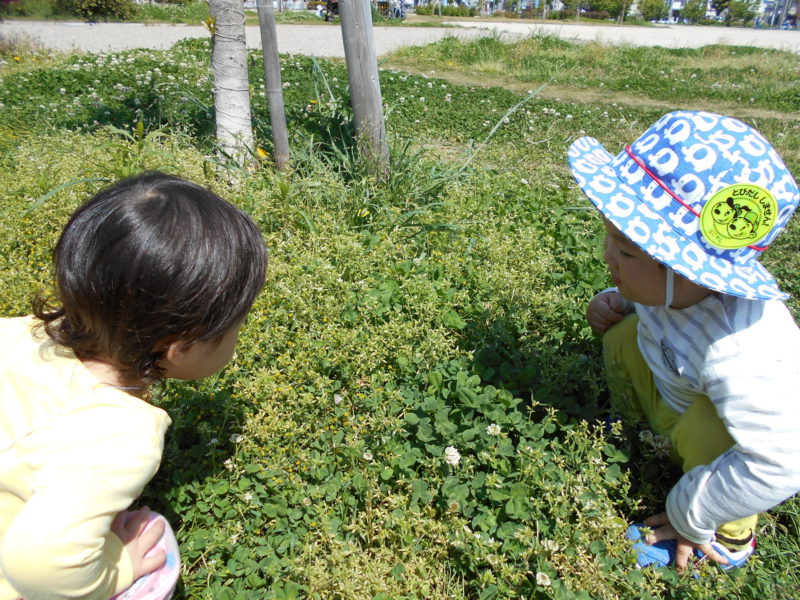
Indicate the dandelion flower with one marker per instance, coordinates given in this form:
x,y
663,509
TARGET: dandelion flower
x,y
451,456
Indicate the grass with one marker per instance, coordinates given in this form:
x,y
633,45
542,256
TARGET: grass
x,y
442,309
729,77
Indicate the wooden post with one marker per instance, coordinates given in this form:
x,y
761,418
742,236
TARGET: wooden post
x,y
365,88
272,82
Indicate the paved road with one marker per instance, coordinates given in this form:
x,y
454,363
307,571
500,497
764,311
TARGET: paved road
x,y
323,41
327,40
668,36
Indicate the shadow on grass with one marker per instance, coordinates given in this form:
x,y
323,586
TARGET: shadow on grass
x,y
541,367
197,444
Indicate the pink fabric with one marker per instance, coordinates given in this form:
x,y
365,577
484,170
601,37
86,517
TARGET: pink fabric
x,y
160,584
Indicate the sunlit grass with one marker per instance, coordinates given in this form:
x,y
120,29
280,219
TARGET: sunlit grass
x,y
443,308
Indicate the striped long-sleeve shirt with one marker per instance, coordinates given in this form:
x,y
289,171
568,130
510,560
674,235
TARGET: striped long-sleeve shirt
x,y
744,355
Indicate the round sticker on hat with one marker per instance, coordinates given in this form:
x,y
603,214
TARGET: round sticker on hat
x,y
738,215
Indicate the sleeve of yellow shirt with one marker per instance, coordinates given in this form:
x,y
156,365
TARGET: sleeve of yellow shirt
x,y
89,468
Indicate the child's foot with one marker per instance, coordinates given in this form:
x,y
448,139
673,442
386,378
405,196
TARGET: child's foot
x,y
660,554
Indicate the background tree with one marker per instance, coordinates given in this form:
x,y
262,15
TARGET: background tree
x,y
653,10
613,7
231,85
694,10
743,11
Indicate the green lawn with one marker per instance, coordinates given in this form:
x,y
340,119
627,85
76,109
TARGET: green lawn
x,y
403,321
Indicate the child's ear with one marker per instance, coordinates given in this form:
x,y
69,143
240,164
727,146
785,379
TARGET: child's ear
x,y
174,351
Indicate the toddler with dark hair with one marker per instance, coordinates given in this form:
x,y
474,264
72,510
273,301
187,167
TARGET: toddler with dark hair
x,y
154,277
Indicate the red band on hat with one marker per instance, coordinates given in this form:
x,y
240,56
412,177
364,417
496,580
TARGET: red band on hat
x,y
663,186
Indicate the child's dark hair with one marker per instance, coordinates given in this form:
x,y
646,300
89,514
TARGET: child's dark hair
x,y
152,258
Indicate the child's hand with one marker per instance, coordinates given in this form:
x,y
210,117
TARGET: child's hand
x,y
130,528
662,530
604,310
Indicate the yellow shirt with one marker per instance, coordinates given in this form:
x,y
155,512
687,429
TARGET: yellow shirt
x,y
73,453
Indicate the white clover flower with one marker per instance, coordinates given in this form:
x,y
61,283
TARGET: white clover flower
x,y
494,428
367,455
422,98
550,545
306,501
213,442
543,579
236,438
228,464
248,497
337,398
451,456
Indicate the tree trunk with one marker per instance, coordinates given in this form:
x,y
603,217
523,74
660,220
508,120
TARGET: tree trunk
x,y
272,82
365,88
231,86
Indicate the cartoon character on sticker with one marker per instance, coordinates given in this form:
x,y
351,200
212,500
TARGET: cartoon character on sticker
x,y
738,216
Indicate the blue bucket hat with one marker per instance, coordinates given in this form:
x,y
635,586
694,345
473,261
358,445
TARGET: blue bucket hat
x,y
702,193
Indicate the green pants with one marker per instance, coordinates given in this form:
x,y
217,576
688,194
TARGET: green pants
x,y
698,435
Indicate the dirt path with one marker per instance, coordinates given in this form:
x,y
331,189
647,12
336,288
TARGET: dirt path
x,y
584,95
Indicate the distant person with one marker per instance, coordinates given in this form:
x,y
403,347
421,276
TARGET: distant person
x,y
697,341
154,277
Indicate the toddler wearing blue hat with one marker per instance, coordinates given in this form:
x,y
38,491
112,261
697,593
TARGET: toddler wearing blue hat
x,y
697,341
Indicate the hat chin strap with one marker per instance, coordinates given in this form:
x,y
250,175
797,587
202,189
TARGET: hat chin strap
x,y
670,287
